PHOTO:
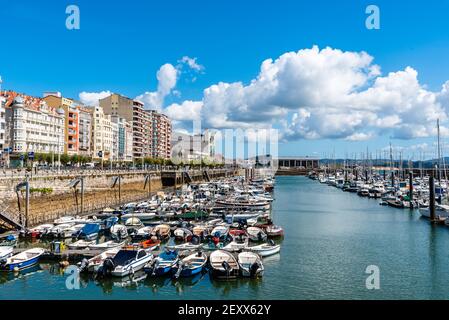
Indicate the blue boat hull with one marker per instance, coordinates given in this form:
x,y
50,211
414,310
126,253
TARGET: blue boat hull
x,y
21,265
185,273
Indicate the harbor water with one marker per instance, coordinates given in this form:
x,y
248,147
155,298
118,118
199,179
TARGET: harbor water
x,y
331,237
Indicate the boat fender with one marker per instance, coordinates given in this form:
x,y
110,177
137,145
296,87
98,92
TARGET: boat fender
x,y
16,269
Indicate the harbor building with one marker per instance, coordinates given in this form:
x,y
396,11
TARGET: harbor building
x,y
298,163
32,125
133,112
196,147
158,132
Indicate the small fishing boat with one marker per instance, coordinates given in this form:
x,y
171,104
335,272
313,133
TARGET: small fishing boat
x,y
186,246
162,231
250,264
142,216
220,231
182,234
107,245
200,230
224,265
256,234
266,249
126,262
40,230
6,252
64,220
88,232
22,260
190,265
64,230
9,241
93,264
118,232
238,243
80,244
133,223
162,264
274,231
150,244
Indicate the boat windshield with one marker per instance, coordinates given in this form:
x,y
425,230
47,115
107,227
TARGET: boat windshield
x,y
123,256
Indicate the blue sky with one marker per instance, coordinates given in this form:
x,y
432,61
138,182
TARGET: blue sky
x,y
121,46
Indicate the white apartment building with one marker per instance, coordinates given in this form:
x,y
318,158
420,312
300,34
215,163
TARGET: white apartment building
x,y
123,139
34,128
102,135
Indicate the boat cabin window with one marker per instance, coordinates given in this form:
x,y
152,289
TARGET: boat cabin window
x,y
141,254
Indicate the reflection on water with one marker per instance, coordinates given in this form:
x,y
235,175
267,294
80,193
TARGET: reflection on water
x,y
330,238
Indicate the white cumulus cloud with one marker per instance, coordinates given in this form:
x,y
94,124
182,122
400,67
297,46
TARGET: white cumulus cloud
x,y
92,98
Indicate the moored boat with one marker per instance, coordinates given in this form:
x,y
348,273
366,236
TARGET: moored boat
x,y
22,260
223,265
250,264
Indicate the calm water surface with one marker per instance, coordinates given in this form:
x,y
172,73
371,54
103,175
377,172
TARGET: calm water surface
x,y
331,237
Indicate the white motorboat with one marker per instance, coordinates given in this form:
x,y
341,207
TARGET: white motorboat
x,y
93,264
266,249
441,211
80,244
118,232
250,264
236,245
256,234
220,231
133,223
127,262
142,216
107,245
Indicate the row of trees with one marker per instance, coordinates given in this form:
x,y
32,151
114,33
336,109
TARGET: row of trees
x,y
49,158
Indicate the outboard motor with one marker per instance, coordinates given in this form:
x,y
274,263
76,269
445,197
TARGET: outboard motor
x,y
271,243
154,265
83,266
226,267
195,240
180,267
260,236
108,266
253,269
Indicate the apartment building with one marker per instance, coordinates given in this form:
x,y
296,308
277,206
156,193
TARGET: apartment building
x,y
158,133
32,125
133,112
102,135
85,131
71,121
124,140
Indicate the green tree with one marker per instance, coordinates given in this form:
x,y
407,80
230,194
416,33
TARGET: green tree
x,y
74,159
65,158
